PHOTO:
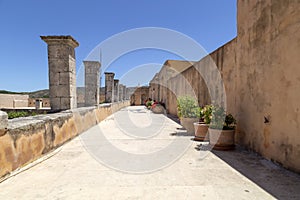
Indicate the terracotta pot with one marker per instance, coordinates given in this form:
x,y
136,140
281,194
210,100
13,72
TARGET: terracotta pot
x,y
221,139
158,109
201,131
188,124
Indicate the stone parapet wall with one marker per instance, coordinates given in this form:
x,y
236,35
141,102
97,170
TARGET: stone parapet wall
x,y
27,139
13,100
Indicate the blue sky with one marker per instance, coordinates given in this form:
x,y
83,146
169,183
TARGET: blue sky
x,y
23,55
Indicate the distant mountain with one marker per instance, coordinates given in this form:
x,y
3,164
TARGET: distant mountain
x,y
39,94
45,93
9,92
35,94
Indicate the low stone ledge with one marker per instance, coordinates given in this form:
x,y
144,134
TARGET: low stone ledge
x,y
27,139
82,110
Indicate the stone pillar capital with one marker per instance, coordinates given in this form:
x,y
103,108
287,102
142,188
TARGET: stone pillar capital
x,y
95,64
68,40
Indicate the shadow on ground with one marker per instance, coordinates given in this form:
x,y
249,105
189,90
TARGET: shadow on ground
x,y
274,179
277,181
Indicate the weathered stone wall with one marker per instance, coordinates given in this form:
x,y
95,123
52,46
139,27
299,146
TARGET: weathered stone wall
x,y
45,102
261,78
140,95
268,79
191,81
13,100
29,138
159,88
129,92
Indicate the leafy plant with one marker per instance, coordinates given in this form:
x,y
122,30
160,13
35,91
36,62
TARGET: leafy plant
x,y
220,120
45,96
187,107
206,113
149,104
16,114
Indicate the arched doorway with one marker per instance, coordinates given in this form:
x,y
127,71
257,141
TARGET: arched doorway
x,y
143,99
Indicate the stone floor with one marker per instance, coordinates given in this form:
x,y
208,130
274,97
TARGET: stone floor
x,y
135,154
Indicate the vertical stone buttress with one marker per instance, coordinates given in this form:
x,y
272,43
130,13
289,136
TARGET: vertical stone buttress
x,y
116,90
124,92
92,82
109,87
121,92
62,71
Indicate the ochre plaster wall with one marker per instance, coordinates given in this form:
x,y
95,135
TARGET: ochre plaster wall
x,y
29,138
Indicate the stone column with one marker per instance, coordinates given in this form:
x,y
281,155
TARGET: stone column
x,y
121,92
92,82
124,92
62,71
116,90
128,93
3,122
109,87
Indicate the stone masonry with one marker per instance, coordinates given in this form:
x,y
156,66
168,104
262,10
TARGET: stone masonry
x,y
124,92
3,123
109,86
92,82
121,91
116,90
62,71
260,77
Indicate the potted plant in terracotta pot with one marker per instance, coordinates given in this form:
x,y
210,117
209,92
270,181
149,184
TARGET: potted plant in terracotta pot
x,y
221,129
201,127
187,108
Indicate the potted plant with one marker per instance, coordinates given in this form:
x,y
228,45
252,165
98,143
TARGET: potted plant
x,y
149,103
187,108
221,129
201,127
157,108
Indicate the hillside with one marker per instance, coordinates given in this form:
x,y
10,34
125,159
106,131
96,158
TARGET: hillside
x,y
35,94
45,93
39,94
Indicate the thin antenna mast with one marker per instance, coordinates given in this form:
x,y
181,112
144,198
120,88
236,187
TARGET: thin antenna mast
x,y
100,59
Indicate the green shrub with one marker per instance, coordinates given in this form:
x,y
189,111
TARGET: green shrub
x,y
16,114
187,107
149,104
220,120
206,113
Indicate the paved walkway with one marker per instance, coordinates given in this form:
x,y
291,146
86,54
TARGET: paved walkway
x,y
78,171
